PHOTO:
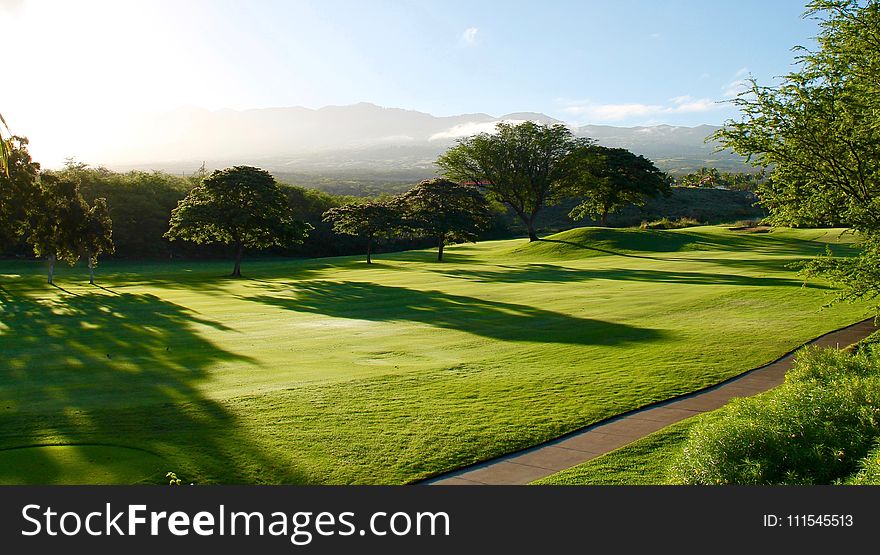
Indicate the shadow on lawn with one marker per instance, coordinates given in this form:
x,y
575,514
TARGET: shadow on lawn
x,y
498,320
550,273
613,242
119,370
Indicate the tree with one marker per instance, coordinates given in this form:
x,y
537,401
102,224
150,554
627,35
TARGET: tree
x,y
97,235
819,130
365,219
56,220
445,210
18,185
519,165
612,178
240,206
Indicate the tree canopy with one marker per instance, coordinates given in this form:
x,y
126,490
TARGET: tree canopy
x,y
241,206
520,165
445,210
56,221
612,178
371,220
819,129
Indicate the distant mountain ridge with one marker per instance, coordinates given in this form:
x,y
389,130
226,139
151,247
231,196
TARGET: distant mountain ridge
x,y
367,137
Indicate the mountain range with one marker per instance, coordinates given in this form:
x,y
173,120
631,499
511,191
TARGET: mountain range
x,y
345,140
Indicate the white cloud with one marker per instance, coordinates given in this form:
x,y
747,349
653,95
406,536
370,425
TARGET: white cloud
x,y
733,88
469,36
470,128
738,85
684,104
654,36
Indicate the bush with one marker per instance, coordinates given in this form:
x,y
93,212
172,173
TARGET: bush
x,y
814,429
666,223
869,475
870,345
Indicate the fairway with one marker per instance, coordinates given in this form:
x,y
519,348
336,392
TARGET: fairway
x,y
333,371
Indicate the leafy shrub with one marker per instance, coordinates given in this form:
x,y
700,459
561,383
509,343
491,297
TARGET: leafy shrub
x,y
870,470
870,345
814,429
666,223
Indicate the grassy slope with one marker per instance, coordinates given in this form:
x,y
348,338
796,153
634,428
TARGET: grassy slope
x,y
331,371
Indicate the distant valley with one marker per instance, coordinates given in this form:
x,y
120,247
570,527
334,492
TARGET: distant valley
x,y
367,146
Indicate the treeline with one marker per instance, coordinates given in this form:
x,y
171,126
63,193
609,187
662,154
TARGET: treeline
x,y
140,205
711,178
522,179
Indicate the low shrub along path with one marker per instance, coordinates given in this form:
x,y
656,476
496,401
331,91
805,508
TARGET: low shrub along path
x,y
524,467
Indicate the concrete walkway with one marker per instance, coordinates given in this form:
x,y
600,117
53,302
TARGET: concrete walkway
x,y
577,447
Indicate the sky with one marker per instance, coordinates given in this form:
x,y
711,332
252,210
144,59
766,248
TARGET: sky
x,y
77,69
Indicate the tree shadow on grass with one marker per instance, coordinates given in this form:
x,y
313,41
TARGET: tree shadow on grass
x,y
631,244
550,273
430,257
114,370
497,320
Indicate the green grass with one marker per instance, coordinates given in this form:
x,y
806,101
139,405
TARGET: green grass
x,y
332,371
644,462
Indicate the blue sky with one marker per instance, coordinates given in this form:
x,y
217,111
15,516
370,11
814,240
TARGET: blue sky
x,y
626,62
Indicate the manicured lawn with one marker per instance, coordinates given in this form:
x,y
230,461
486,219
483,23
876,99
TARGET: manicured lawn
x,y
332,371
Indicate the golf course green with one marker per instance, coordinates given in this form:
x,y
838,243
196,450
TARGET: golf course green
x,y
334,371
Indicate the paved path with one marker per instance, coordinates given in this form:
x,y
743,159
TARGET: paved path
x,y
577,447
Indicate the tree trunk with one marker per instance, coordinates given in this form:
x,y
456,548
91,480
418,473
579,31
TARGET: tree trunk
x,y
51,268
530,224
91,270
605,218
440,245
239,251
369,249
528,220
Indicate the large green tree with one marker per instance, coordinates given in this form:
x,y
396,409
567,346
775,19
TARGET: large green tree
x,y
820,131
370,220
445,210
612,178
241,206
56,221
520,165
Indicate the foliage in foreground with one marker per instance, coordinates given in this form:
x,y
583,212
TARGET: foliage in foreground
x,y
814,429
870,470
857,277
818,128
